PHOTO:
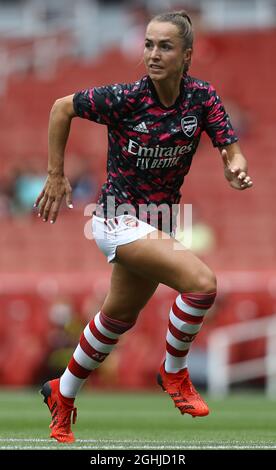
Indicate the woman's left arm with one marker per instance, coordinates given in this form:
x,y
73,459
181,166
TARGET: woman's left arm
x,y
235,167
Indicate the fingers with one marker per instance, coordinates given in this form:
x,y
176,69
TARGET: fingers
x,y
49,206
237,172
233,170
69,202
238,177
42,206
49,200
39,198
243,181
246,183
55,210
45,209
225,158
242,175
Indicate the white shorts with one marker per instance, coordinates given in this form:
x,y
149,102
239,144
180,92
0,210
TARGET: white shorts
x,y
110,233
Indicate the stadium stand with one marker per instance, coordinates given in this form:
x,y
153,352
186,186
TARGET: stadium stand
x,y
240,67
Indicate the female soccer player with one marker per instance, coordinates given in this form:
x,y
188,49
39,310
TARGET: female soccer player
x,y
154,127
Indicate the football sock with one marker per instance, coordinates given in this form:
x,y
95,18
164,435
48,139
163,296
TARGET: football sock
x,y
185,320
97,341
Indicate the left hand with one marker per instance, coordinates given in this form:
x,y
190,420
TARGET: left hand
x,y
237,177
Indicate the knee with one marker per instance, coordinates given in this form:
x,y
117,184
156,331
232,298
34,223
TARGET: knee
x,y
207,282
203,281
204,291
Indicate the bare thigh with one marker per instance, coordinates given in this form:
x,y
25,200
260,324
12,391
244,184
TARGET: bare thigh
x,y
128,294
166,261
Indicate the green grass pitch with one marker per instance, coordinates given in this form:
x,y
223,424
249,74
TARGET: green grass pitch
x,y
140,421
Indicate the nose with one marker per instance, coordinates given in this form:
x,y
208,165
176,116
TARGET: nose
x,y
155,53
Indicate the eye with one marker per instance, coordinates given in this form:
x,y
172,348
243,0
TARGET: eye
x,y
147,45
166,47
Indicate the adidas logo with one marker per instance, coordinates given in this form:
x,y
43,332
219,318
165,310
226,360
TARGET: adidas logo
x,y
141,128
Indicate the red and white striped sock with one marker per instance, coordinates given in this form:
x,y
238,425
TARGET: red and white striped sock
x,y
185,320
97,341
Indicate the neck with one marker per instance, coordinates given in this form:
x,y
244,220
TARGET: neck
x,y
168,90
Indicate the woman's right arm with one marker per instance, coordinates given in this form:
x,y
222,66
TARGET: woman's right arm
x,y
57,185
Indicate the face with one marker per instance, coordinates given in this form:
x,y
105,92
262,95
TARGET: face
x,y
164,55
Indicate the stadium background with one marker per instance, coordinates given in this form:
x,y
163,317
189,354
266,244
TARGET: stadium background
x,y
52,279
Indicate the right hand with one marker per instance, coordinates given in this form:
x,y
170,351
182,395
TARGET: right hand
x,y
50,198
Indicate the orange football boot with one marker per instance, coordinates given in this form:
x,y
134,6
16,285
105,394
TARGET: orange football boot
x,y
180,388
61,409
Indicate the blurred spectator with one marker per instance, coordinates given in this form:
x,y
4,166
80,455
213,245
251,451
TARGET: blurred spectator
x,y
27,186
19,189
28,181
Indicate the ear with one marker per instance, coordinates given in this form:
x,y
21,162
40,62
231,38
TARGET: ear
x,y
187,56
